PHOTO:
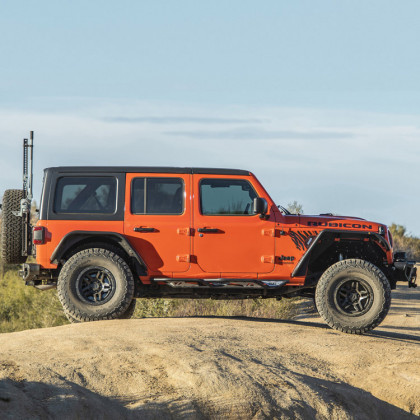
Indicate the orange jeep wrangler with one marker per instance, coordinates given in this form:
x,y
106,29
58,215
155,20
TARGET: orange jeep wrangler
x,y
109,235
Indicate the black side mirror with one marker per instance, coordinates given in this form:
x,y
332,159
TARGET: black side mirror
x,y
260,206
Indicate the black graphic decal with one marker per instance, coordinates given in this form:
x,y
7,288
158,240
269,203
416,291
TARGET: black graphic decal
x,y
302,239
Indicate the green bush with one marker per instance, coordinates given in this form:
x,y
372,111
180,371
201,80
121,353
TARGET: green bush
x,y
23,307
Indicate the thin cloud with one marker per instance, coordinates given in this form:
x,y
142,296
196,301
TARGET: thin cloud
x,y
261,134
182,120
328,161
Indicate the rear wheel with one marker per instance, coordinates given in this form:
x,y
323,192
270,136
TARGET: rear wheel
x,y
11,228
95,284
353,296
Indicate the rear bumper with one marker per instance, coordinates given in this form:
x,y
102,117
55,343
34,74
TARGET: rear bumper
x,y
35,275
404,270
30,272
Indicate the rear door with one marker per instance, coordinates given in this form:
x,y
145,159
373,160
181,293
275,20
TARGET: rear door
x,y
158,220
228,238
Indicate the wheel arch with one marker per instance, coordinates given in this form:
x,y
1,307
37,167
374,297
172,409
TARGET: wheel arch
x,y
329,244
77,240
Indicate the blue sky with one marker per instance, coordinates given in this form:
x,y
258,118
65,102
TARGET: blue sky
x,y
321,99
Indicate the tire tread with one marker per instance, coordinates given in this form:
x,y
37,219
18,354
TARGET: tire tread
x,y
73,313
322,302
11,228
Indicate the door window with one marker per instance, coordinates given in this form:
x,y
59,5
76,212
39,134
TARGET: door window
x,y
157,196
232,197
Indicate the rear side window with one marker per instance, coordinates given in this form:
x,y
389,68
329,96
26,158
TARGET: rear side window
x,y
157,196
226,197
86,195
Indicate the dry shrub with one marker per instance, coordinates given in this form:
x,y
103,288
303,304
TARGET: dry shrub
x,y
258,308
23,307
405,242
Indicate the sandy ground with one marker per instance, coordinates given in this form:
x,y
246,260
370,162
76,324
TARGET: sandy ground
x,y
215,368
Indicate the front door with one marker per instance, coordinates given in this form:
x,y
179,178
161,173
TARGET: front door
x,y
158,220
228,238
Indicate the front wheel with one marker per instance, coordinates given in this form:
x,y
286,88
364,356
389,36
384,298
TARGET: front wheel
x,y
353,296
95,284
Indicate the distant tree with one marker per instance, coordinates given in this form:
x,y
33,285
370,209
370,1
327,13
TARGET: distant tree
x,y
404,242
295,208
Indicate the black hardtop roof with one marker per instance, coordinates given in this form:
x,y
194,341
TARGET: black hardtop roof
x,y
145,169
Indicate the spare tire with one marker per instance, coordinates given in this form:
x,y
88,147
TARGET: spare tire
x,y
11,228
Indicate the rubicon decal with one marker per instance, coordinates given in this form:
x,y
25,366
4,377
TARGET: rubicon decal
x,y
302,239
344,225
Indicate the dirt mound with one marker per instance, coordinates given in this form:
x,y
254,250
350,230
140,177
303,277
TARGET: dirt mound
x,y
215,367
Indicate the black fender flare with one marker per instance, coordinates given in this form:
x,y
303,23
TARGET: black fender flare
x,y
77,236
326,237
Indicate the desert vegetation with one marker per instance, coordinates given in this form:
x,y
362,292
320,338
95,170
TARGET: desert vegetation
x,y
23,307
403,241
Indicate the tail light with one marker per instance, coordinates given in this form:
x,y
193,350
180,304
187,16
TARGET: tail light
x,y
38,235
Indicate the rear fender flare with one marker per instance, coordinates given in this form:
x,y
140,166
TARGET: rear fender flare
x,y
75,237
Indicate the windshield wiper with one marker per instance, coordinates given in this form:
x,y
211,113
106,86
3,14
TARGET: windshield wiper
x,y
284,210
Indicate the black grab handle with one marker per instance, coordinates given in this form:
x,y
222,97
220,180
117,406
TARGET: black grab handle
x,y
144,229
207,230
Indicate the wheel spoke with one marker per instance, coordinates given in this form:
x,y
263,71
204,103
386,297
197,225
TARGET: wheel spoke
x,y
353,297
96,285
348,305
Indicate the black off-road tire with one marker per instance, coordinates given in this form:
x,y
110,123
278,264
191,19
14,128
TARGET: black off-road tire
x,y
79,287
11,228
126,315
353,296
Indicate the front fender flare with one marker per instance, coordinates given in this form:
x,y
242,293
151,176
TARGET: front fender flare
x,y
326,237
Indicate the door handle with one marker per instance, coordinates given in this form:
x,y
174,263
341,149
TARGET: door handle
x,y
144,229
208,230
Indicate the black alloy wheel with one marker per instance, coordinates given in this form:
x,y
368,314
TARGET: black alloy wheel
x,y
95,285
354,297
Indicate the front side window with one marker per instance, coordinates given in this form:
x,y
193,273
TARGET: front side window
x,y
226,197
157,196
86,195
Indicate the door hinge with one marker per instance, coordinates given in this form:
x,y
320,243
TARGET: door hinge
x,y
184,231
267,259
183,258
